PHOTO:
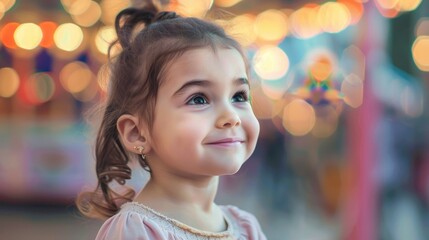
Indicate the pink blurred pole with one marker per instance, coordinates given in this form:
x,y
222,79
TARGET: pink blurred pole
x,y
361,214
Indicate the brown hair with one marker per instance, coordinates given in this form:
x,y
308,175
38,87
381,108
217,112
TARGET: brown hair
x,y
136,74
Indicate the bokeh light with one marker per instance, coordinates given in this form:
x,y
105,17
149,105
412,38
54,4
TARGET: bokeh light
x,y
271,62
193,8
326,121
75,77
88,17
6,34
333,17
422,27
76,7
7,5
48,30
299,117
355,8
9,82
226,3
420,52
321,68
39,88
28,36
352,90
408,5
241,28
68,37
271,25
110,8
304,23
105,36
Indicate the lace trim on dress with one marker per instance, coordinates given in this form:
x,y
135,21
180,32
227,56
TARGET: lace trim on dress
x,y
174,225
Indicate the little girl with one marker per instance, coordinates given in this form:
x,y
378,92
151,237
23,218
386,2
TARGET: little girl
x,y
179,101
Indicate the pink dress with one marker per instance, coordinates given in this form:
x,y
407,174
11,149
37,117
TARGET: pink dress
x,y
136,221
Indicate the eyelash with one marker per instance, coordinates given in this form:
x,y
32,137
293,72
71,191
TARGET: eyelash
x,y
244,95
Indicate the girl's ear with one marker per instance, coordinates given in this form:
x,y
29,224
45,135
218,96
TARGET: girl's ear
x,y
132,134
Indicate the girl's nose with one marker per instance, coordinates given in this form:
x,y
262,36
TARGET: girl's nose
x,y
228,118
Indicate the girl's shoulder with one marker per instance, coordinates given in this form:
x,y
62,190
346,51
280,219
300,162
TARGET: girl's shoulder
x,y
137,221
246,222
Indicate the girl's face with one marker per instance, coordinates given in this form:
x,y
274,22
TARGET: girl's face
x,y
204,124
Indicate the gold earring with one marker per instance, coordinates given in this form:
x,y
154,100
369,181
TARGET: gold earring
x,y
140,149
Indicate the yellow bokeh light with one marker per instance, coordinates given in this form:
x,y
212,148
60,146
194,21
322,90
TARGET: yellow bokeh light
x,y
6,5
304,22
420,52
241,28
103,77
299,117
334,17
408,5
388,4
271,25
271,62
192,8
28,36
90,16
111,8
75,77
226,3
9,82
352,90
321,68
68,37
77,7
262,106
105,36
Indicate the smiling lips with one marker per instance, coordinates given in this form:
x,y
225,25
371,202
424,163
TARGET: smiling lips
x,y
226,142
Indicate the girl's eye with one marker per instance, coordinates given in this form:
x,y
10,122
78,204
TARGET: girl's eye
x,y
240,97
197,100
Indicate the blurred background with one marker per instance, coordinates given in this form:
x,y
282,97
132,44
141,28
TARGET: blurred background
x,y
340,89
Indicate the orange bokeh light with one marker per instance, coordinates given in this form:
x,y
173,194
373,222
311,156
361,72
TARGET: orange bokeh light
x,y
6,35
48,29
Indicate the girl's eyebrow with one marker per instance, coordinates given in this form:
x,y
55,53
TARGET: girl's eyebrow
x,y
196,82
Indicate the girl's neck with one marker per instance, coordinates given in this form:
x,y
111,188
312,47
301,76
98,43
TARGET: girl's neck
x,y
167,194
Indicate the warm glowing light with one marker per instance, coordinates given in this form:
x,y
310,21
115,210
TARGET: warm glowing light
x,y
262,106
6,34
355,8
409,5
48,30
388,4
103,77
89,17
68,37
387,12
9,82
226,3
2,11
420,52
75,77
39,88
334,17
6,5
321,68
111,8
28,36
105,36
352,90
241,28
76,7
194,8
271,25
304,23
271,62
87,94
326,121
299,117
353,60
